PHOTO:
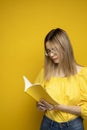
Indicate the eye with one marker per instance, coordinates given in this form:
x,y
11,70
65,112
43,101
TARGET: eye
x,y
48,50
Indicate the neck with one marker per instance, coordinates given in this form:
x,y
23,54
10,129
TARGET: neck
x,y
59,73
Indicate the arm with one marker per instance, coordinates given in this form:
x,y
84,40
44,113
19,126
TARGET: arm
x,y
68,109
44,106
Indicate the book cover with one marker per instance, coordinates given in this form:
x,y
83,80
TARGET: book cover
x,y
36,91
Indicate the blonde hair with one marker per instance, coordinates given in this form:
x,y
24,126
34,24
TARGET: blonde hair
x,y
68,64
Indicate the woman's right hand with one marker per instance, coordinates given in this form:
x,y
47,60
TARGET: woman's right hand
x,y
40,106
43,105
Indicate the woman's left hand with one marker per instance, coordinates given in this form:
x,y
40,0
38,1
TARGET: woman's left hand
x,y
43,105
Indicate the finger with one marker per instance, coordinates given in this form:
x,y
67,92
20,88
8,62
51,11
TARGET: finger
x,y
40,104
41,108
45,102
47,105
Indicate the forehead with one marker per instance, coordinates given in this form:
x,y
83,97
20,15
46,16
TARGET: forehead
x,y
50,45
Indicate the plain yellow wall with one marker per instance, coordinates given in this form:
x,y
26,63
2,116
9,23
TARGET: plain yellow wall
x,y
23,26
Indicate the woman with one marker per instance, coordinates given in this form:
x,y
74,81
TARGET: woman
x,y
66,82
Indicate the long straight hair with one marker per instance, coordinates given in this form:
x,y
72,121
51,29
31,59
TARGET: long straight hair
x,y
68,64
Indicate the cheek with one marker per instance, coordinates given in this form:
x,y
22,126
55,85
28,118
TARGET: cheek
x,y
60,57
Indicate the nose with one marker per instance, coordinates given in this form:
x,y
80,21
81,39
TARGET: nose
x,y
51,54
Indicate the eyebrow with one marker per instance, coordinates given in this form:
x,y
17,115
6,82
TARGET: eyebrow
x,y
51,48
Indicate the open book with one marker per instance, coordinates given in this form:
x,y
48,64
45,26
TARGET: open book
x,y
36,91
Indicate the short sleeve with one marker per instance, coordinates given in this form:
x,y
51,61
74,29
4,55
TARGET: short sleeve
x,y
83,90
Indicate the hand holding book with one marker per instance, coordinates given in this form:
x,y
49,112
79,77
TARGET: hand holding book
x,y
43,105
37,92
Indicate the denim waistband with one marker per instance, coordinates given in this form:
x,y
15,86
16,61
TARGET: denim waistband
x,y
68,123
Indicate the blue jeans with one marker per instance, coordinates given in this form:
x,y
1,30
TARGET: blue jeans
x,y
48,124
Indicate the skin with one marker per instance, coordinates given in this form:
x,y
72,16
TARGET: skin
x,y
43,105
55,57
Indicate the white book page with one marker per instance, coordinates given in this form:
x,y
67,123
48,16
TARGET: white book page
x,y
28,84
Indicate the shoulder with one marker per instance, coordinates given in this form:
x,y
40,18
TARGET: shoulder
x,y
82,76
81,69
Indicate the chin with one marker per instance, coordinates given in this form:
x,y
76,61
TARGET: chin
x,y
55,62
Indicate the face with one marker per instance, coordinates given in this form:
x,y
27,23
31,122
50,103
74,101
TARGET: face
x,y
54,52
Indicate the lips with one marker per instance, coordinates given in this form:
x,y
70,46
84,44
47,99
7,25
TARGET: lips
x,y
55,59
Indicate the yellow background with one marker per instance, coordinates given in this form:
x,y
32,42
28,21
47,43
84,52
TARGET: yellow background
x,y
23,26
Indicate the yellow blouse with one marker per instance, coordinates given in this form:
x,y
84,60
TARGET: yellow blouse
x,y
70,91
